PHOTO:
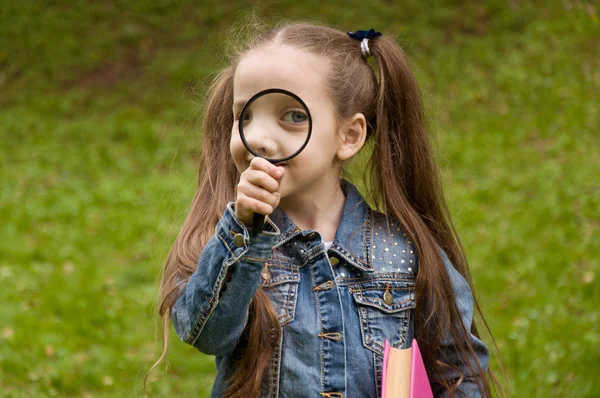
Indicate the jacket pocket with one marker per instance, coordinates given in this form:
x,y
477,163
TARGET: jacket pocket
x,y
280,282
383,307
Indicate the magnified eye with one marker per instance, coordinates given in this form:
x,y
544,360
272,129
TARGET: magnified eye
x,y
295,117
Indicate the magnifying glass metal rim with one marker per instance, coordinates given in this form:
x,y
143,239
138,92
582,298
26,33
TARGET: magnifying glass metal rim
x,y
257,96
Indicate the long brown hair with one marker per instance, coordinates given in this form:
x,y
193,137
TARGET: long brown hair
x,y
403,182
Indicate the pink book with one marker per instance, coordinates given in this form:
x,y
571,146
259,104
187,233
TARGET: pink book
x,y
417,377
419,382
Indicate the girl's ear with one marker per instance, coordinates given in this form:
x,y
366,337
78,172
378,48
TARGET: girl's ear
x,y
352,134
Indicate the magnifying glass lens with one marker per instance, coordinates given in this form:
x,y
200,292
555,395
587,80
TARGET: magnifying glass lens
x,y
275,124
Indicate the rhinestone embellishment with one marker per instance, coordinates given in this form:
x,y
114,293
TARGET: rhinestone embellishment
x,y
395,251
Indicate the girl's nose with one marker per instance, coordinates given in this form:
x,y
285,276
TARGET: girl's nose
x,y
262,151
261,146
260,142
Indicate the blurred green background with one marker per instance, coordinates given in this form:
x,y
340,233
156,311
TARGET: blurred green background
x,y
99,145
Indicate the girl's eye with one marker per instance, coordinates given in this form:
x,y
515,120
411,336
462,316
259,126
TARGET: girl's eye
x,y
295,117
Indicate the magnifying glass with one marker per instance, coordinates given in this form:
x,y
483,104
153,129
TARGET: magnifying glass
x,y
275,124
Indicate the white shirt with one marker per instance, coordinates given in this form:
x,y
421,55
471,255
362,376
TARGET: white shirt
x,y
327,245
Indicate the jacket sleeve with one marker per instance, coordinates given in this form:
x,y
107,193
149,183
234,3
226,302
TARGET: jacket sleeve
x,y
212,310
450,353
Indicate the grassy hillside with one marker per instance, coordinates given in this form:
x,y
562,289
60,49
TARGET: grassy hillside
x,y
98,111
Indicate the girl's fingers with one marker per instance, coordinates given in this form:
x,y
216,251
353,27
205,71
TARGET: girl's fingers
x,y
251,205
258,190
266,166
261,179
260,194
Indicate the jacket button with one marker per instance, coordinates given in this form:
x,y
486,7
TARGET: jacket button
x,y
387,296
266,275
238,240
334,260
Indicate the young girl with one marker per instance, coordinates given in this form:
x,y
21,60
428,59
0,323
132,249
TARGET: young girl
x,y
303,309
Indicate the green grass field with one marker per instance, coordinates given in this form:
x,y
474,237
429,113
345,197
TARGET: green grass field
x,y
99,145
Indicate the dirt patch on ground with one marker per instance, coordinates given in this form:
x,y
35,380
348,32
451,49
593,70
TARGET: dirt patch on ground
x,y
127,67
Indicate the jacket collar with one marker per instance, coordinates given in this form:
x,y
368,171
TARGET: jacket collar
x,y
352,240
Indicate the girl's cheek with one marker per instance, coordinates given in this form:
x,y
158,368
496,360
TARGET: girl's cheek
x,y
236,148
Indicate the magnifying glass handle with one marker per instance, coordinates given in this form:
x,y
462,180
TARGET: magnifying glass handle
x,y
257,224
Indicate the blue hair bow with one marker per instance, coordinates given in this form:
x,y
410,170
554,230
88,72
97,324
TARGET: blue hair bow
x,y
364,34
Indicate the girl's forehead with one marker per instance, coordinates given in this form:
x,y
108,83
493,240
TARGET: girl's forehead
x,y
280,66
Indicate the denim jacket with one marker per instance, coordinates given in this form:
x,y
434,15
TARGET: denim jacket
x,y
335,307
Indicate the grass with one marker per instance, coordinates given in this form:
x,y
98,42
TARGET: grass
x,y
98,104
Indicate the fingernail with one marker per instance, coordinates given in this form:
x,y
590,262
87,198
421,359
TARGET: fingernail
x,y
279,172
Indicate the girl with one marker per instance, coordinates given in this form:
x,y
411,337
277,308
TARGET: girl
x,y
303,309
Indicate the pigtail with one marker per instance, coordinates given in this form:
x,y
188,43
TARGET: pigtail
x,y
403,170
216,187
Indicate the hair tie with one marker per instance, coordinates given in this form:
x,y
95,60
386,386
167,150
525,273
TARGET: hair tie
x,y
364,36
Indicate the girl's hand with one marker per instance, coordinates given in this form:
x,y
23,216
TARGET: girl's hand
x,y
258,190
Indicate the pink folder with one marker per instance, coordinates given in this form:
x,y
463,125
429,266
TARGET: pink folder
x,y
419,383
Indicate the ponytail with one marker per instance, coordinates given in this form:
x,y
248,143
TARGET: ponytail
x,y
216,187
404,173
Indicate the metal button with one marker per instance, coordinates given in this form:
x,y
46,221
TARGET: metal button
x,y
265,273
238,240
387,296
334,260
